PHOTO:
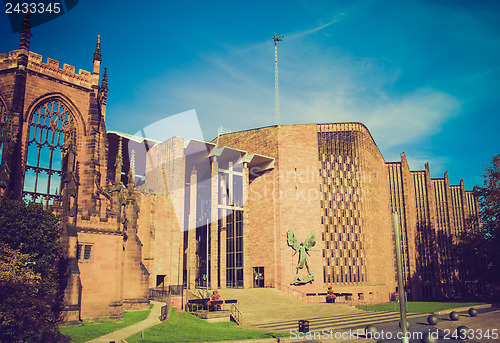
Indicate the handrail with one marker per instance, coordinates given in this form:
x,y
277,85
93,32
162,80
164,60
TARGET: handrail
x,y
236,314
165,310
159,294
284,288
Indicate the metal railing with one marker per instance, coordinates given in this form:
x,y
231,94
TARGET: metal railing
x,y
176,289
165,310
236,314
288,290
201,305
197,305
159,294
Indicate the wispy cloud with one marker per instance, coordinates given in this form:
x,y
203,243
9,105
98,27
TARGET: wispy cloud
x,y
393,121
238,93
412,117
316,29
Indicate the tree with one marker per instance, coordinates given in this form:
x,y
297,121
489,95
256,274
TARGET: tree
x,y
31,281
471,251
477,248
489,202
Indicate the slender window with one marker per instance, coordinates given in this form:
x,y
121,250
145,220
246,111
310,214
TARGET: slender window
x,y
83,252
234,253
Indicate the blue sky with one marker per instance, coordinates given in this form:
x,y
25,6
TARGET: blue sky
x,y
422,75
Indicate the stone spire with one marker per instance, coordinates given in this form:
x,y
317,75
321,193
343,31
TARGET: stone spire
x,y
97,65
119,156
118,162
131,171
104,86
97,53
25,32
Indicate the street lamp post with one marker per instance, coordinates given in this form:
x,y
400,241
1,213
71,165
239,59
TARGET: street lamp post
x,y
401,286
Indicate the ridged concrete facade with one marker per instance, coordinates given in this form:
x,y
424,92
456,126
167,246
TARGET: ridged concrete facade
x,y
332,179
432,214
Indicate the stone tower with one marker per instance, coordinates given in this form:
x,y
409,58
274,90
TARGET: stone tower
x,y
54,150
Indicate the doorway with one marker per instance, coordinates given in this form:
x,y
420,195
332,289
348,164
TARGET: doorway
x,y
258,277
160,281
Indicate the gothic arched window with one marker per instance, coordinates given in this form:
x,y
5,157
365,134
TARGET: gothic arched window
x,y
49,134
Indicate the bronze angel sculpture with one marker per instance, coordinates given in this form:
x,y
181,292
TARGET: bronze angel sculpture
x,y
302,249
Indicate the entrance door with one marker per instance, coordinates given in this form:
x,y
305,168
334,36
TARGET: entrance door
x,y
258,277
160,281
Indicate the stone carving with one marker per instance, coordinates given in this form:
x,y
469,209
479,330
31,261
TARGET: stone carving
x,y
302,249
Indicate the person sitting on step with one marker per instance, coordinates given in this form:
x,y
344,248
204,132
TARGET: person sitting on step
x,y
330,296
214,301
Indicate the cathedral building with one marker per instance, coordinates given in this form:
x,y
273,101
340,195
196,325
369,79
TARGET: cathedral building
x,y
55,151
331,179
295,207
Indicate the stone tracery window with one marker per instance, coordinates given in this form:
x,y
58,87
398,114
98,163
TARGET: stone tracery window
x,y
48,140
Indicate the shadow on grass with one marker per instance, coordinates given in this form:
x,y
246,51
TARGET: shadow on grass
x,y
184,327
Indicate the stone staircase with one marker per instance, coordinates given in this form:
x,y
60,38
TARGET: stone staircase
x,y
338,322
272,310
262,305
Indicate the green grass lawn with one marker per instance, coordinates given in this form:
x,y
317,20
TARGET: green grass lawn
x,y
418,306
87,331
184,327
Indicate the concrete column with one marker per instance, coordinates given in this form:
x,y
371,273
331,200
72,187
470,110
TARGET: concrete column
x,y
452,229
223,235
463,199
191,254
247,268
410,213
214,229
449,204
431,201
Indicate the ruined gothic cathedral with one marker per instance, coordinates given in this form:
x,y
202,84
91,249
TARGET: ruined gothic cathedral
x,y
55,151
140,214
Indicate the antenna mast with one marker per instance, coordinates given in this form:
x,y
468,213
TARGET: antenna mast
x,y
276,83
220,132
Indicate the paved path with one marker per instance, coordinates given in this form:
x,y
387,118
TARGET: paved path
x,y
121,334
480,324
272,310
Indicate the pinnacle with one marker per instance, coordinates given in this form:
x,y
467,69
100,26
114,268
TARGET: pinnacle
x,y
97,53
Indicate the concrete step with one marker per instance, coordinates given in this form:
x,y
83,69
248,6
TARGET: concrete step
x,y
267,305
335,322
272,310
